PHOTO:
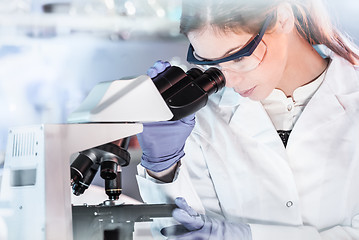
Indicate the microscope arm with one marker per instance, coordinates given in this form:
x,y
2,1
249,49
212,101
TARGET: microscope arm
x,y
126,100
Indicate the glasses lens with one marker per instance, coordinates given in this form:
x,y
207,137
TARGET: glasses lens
x,y
246,64
206,67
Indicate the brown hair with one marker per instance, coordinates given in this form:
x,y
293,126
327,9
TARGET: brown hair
x,y
312,21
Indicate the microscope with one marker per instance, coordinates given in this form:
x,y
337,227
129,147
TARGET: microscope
x,y
46,163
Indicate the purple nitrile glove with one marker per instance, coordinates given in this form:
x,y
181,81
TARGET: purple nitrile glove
x,y
162,143
197,226
157,68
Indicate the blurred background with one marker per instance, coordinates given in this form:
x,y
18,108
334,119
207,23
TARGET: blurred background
x,y
52,53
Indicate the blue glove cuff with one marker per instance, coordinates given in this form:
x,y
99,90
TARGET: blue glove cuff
x,y
162,163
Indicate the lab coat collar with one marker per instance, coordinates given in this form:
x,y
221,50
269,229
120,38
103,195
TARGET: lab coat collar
x,y
251,119
248,116
334,98
325,106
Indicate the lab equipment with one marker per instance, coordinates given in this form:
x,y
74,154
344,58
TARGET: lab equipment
x,y
187,92
37,176
36,182
183,93
110,158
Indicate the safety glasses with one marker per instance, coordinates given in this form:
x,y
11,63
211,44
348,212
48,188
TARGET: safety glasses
x,y
241,57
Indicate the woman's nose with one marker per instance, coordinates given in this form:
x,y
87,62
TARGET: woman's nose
x,y
232,78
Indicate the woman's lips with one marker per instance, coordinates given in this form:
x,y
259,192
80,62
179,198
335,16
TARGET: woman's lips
x,y
247,93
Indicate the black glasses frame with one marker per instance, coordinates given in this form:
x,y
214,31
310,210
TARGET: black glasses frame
x,y
243,52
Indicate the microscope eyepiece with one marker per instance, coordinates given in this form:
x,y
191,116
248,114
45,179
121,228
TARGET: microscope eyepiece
x,y
211,81
194,73
187,92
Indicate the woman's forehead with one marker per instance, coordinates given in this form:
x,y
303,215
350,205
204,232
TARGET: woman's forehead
x,y
211,44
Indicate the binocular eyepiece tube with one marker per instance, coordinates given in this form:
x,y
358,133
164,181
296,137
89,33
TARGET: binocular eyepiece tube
x,y
187,92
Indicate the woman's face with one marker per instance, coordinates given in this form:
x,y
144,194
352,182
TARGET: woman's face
x,y
256,84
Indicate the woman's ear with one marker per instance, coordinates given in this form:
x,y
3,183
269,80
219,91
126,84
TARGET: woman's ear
x,y
285,18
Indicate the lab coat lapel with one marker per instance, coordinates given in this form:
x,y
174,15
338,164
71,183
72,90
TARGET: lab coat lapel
x,y
325,107
251,118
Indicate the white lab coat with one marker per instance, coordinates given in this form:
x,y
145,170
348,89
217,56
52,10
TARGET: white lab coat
x,y
237,167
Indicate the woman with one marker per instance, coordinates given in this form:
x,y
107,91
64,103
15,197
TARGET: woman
x,y
275,154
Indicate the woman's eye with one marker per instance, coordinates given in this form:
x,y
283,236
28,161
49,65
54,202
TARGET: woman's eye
x,y
238,59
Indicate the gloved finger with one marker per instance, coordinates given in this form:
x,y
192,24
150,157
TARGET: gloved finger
x,y
193,235
182,204
190,120
157,68
161,65
152,72
190,222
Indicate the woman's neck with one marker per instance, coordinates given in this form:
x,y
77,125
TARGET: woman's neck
x,y
304,64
